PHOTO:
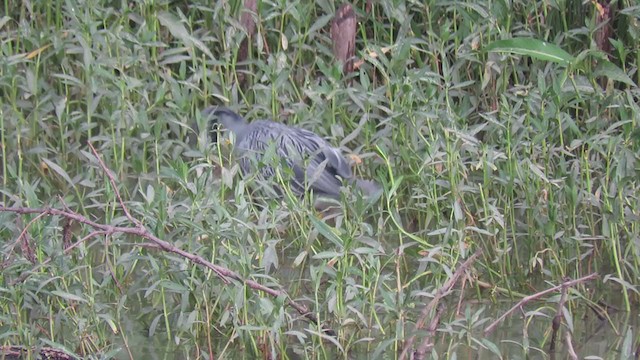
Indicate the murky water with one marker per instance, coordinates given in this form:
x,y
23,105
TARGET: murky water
x,y
524,335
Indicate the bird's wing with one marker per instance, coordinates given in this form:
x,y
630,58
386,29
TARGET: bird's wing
x,y
320,165
309,157
337,162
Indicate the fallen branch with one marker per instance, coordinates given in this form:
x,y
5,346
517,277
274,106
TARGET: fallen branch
x,y
489,329
441,293
140,230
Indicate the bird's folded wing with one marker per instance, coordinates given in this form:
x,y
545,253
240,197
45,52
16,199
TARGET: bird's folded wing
x,y
315,163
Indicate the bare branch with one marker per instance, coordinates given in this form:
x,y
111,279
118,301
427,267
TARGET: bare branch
x,y
442,292
223,273
139,230
557,319
112,180
489,329
570,349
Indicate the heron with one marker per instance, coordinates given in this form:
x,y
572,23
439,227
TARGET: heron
x,y
262,145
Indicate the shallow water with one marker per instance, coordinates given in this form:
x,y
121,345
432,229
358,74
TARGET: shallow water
x,y
524,335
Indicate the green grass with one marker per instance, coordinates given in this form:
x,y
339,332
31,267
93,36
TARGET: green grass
x,y
532,159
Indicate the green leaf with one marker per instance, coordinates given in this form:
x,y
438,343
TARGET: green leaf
x,y
60,171
610,70
538,49
326,231
68,296
492,347
270,257
327,255
3,21
177,29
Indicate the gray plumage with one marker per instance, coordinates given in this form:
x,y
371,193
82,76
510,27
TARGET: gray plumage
x,y
311,159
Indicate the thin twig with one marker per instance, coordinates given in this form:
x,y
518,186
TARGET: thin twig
x,y
557,319
570,349
442,292
112,272
221,271
112,180
427,342
489,329
24,239
140,230
138,223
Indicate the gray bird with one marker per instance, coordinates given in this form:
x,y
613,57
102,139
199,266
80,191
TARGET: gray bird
x,y
263,144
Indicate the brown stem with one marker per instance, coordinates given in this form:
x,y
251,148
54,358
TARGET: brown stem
x,y
139,230
442,292
570,349
557,319
427,342
489,329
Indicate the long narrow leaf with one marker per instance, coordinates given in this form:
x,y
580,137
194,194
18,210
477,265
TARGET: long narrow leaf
x,y
535,48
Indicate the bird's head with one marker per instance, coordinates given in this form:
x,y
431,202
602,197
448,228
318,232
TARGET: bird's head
x,y
222,116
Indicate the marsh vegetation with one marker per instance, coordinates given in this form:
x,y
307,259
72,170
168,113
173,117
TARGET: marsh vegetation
x,y
505,134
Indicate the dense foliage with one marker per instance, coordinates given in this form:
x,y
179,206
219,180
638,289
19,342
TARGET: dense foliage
x,y
507,147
